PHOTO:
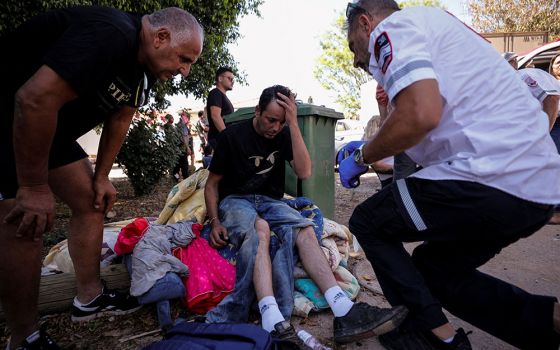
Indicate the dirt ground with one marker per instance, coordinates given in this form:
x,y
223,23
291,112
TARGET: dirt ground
x,y
533,264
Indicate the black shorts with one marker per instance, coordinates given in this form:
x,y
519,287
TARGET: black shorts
x,y
62,152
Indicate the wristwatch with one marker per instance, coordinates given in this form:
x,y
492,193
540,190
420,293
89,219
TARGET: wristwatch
x,y
359,156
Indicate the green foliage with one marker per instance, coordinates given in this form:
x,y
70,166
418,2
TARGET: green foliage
x,y
410,3
218,17
54,237
147,154
335,71
516,16
334,68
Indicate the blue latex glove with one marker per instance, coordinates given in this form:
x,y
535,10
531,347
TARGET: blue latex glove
x,y
347,150
350,172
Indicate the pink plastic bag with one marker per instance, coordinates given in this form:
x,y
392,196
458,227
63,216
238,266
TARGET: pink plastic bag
x,y
211,278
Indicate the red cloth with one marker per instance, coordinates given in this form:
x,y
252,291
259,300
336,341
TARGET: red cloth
x,y
130,235
381,96
211,277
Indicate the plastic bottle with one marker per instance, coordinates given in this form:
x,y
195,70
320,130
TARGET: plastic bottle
x,y
311,342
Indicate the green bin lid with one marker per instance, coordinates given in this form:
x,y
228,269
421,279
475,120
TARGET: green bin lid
x,y
303,109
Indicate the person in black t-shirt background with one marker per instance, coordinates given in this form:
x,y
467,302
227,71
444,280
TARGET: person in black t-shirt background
x,y
73,69
218,105
245,185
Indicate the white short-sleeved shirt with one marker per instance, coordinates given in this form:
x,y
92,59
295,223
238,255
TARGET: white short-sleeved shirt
x,y
540,83
492,131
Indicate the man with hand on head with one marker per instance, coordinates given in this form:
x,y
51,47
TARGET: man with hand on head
x,y
74,69
485,154
243,198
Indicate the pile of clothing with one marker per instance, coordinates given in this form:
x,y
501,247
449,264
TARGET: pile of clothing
x,y
169,257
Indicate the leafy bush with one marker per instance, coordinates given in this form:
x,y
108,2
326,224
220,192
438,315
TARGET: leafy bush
x,y
148,153
52,238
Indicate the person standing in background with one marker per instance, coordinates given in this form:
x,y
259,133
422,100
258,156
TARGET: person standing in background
x,y
218,105
202,129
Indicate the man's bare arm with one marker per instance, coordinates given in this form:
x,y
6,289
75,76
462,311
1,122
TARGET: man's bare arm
x,y
112,137
37,104
302,161
550,107
36,108
418,110
216,115
211,197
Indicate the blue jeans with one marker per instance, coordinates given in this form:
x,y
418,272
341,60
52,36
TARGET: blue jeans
x,y
238,215
166,288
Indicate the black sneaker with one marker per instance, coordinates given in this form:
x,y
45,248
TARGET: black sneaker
x,y
44,342
405,340
109,302
460,341
363,321
285,332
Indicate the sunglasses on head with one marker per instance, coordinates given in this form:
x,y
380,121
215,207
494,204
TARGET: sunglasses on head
x,y
353,9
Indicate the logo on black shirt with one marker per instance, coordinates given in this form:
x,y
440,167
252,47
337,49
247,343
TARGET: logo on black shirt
x,y
118,94
270,160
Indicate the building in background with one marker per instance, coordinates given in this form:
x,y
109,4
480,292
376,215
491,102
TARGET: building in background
x,y
518,42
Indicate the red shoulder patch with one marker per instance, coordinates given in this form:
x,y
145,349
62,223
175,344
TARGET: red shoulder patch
x,y
383,51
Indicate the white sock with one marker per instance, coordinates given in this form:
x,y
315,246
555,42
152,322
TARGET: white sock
x,y
338,301
270,313
79,304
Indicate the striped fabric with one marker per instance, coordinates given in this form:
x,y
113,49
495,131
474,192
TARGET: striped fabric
x,y
409,205
409,67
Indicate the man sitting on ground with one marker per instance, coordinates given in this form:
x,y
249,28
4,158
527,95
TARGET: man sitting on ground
x,y
246,181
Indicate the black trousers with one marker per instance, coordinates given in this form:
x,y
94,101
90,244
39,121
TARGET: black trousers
x,y
183,165
463,225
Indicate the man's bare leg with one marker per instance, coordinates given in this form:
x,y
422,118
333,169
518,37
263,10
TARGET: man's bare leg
x,y
317,266
262,273
20,274
262,279
73,184
314,260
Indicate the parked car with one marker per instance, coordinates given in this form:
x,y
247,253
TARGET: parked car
x,y
539,57
345,131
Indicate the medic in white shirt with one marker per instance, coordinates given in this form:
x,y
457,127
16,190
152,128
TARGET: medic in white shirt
x,y
482,142
545,88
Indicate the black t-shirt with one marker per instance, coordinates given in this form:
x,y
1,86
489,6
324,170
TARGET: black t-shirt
x,y
251,163
93,48
217,98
